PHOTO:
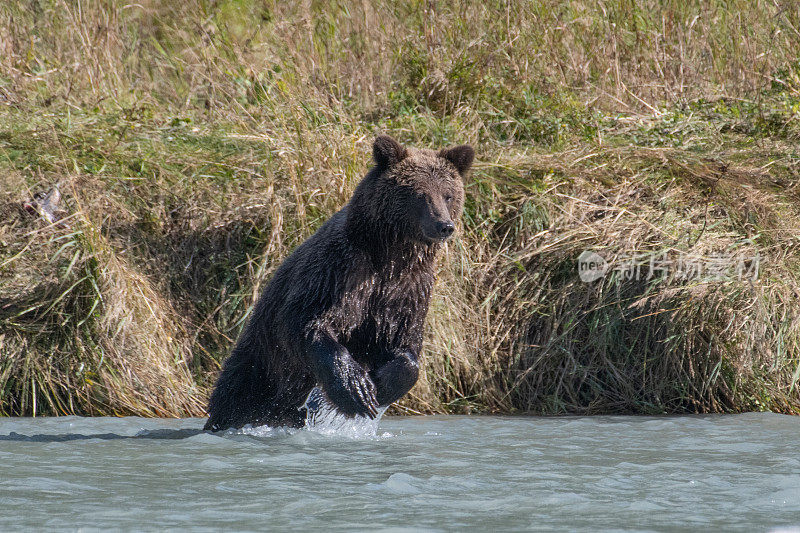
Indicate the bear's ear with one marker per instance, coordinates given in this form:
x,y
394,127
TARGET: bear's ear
x,y
460,156
387,152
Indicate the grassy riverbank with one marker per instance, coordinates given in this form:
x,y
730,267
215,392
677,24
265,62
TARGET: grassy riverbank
x,y
195,145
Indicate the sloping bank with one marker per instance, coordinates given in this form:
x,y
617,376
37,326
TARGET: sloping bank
x,y
697,310
128,303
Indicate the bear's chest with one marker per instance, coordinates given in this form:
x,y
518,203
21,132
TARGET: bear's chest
x,y
399,295
386,308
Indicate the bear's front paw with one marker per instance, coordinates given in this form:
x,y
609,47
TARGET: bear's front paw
x,y
353,392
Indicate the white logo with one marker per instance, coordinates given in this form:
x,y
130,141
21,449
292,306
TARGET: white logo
x,y
591,266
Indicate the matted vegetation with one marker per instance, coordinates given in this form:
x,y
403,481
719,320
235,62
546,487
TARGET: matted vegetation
x,y
195,144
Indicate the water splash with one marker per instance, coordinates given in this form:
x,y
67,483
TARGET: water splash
x,y
323,417
262,431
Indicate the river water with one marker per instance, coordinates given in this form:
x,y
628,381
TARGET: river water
x,y
437,473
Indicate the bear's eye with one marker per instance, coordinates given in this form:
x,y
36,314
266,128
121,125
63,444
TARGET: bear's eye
x,y
448,198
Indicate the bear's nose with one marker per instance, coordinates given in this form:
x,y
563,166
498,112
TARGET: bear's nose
x,y
446,229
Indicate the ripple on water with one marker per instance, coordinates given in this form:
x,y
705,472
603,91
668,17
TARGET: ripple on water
x,y
401,483
215,464
47,485
206,438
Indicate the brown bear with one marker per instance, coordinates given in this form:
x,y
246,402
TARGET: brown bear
x,y
346,309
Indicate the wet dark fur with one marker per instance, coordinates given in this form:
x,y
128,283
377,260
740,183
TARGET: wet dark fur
x,y
347,308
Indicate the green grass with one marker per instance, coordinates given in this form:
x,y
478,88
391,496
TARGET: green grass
x,y
196,144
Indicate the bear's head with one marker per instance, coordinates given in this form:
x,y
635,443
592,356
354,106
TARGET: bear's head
x,y
416,194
